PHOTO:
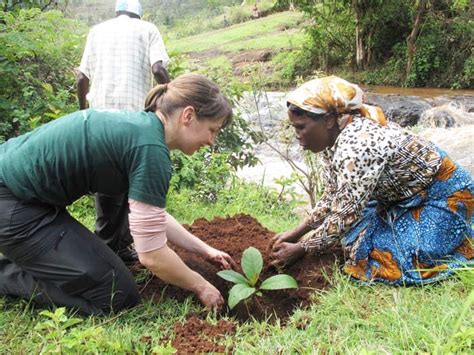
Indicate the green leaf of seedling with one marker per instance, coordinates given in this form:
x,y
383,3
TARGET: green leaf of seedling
x,y
238,293
279,282
252,264
233,276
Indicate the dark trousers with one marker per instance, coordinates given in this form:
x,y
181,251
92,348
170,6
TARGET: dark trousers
x,y
112,220
50,258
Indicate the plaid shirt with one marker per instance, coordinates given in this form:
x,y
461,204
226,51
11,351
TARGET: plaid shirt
x,y
117,60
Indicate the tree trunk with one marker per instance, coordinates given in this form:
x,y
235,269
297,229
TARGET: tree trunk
x,y
411,39
369,50
359,35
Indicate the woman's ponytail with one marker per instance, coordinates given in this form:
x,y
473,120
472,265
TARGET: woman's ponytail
x,y
154,96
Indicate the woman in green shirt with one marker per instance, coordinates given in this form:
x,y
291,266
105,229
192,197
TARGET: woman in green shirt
x,y
50,257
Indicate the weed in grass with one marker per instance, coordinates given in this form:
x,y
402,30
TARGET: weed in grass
x,y
58,333
165,349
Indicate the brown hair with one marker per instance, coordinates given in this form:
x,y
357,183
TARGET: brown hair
x,y
190,90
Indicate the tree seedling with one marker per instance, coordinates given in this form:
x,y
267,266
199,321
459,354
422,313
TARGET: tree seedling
x,y
245,285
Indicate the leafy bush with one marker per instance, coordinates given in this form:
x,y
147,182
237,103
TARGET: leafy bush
x,y
239,138
245,285
331,30
294,64
466,78
205,173
436,63
37,78
239,14
392,72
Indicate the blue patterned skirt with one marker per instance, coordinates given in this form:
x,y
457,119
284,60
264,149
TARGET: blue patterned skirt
x,y
419,240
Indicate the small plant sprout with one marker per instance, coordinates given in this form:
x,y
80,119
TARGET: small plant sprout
x,y
245,285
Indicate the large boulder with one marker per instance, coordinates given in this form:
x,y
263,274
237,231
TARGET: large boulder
x,y
404,110
409,110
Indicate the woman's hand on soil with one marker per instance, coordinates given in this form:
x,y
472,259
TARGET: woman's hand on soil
x,y
285,237
284,254
210,297
220,259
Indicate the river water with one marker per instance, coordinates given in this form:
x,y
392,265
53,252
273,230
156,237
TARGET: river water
x,y
420,92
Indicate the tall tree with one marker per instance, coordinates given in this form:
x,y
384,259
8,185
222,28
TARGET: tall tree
x,y
358,8
421,9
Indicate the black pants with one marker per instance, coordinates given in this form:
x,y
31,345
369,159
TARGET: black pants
x,y
112,221
50,258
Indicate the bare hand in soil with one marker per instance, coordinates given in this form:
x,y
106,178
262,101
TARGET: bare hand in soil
x,y
284,254
220,259
210,297
288,237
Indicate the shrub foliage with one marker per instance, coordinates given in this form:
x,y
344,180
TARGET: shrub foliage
x,y
38,52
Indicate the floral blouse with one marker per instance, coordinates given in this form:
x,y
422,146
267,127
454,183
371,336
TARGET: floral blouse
x,y
367,162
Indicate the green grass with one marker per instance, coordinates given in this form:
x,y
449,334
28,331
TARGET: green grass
x,y
279,41
377,319
261,33
220,62
347,318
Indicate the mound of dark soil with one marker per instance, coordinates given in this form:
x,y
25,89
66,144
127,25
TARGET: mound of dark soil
x,y
233,235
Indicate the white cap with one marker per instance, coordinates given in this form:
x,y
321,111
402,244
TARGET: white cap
x,y
132,6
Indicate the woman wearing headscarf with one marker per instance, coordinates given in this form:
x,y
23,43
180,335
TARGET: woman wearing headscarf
x,y
400,206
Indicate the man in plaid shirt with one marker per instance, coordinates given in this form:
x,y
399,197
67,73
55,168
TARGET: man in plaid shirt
x,y
121,57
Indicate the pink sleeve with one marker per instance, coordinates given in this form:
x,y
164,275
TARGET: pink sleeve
x,y
147,226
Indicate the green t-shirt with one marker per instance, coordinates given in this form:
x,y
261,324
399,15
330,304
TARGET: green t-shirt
x,y
86,152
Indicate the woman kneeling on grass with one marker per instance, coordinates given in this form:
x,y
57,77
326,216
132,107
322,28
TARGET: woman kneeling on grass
x,y
401,207
50,257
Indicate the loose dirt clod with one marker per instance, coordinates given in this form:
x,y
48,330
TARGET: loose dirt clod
x,y
233,235
196,336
